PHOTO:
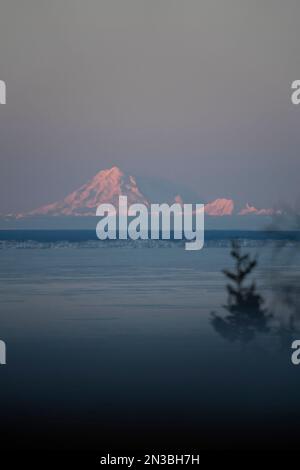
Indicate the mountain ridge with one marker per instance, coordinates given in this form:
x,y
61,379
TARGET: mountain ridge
x,y
107,185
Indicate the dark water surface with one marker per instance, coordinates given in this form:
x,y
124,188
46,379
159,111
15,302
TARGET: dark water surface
x,y
114,348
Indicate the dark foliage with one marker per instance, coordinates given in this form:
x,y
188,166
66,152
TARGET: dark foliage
x,y
246,315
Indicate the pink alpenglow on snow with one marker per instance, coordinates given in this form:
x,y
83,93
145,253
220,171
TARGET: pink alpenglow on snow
x,y
219,207
178,200
253,210
105,187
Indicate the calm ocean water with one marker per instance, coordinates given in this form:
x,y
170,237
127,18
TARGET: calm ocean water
x,y
116,346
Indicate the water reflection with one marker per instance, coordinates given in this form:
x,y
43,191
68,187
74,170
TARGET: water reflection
x,y
246,314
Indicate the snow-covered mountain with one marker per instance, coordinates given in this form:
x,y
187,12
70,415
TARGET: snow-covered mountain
x,y
248,209
220,207
107,185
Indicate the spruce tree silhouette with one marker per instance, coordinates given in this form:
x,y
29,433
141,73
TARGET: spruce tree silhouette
x,y
245,305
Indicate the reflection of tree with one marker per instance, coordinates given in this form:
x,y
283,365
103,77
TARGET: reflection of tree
x,y
245,306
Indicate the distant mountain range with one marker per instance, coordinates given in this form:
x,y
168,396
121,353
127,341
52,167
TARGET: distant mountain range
x,y
107,185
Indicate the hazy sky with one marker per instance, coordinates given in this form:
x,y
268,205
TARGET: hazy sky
x,y
196,91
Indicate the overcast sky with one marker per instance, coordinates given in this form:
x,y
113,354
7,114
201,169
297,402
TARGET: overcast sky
x,y
196,91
